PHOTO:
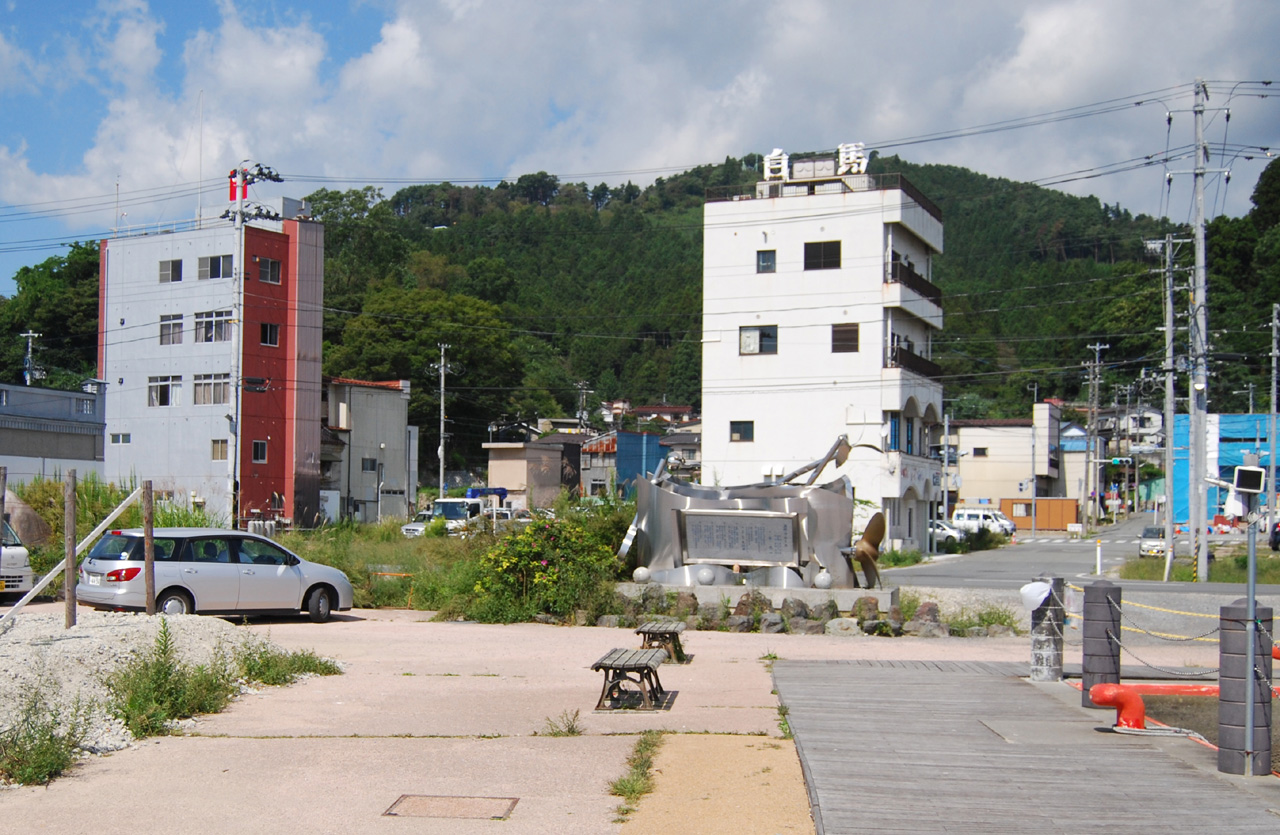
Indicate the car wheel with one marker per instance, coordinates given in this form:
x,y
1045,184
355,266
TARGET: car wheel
x,y
319,607
173,602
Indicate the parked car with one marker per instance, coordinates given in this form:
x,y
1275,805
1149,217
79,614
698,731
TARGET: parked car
x,y
419,524
1151,543
1275,537
944,533
210,571
974,519
16,577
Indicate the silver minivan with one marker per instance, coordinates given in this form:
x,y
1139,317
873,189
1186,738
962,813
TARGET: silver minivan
x,y
210,571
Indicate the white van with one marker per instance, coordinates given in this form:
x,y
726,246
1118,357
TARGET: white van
x,y
974,519
16,576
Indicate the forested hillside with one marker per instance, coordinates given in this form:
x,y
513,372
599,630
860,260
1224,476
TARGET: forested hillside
x,y
543,290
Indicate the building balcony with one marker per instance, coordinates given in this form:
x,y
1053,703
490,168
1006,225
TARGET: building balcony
x,y
900,273
900,357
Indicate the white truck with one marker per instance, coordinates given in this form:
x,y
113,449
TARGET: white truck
x,y
16,576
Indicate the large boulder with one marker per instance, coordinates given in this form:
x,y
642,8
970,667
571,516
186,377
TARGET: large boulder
x,y
794,607
805,626
847,627
866,607
26,523
771,623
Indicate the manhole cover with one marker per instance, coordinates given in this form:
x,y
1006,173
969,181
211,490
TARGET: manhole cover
x,y
446,806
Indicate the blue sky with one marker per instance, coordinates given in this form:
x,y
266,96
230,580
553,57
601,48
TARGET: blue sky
x,y
341,93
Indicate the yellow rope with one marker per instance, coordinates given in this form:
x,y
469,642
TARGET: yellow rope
x,y
1167,635
1154,608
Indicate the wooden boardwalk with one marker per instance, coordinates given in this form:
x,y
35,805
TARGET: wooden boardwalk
x,y
914,746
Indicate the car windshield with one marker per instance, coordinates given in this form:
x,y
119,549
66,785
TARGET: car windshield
x,y
424,516
10,538
450,510
1152,532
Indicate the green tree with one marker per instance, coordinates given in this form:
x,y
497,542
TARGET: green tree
x,y
57,299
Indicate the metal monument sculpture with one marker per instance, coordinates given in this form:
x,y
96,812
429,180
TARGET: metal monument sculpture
x,y
788,534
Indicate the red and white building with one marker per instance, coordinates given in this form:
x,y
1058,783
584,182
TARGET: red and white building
x,y
210,342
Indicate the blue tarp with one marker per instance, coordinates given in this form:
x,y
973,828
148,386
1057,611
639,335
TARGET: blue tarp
x,y
1238,435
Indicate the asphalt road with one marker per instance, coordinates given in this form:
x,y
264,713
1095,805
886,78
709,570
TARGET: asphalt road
x,y
1174,608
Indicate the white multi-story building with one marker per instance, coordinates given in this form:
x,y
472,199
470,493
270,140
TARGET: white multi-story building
x,y
818,321
210,343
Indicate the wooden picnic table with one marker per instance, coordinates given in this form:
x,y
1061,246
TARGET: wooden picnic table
x,y
638,667
663,634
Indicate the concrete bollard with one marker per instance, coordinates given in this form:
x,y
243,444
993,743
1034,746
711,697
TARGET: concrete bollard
x,y
1234,686
1101,655
1046,633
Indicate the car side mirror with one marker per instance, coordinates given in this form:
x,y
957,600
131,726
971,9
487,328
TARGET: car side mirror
x,y
293,560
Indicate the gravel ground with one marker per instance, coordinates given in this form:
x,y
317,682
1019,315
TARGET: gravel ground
x,y
36,651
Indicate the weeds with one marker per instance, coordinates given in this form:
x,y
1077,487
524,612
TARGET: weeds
x,y
258,660
156,688
991,615
894,559
41,745
784,725
564,725
153,690
638,781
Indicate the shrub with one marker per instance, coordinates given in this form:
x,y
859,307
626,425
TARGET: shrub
x,y
155,688
898,558
40,745
551,567
991,615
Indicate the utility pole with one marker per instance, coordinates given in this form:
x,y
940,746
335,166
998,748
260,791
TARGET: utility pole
x,y
239,180
1248,391
1271,427
1035,398
30,371
1169,367
443,368
1199,404
946,471
1092,483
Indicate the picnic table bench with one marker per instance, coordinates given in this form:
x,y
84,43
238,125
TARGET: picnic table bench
x,y
631,666
663,634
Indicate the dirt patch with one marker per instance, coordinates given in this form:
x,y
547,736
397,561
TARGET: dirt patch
x,y
1200,714
736,785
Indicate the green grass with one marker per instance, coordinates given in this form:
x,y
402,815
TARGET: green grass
x,y
42,743
990,615
895,559
1229,566
638,781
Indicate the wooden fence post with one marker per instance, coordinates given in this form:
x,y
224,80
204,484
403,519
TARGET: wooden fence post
x,y
149,544
69,572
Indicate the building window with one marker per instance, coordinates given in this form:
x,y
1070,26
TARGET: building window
x,y
268,270
909,427
277,501
219,452
259,452
979,452
368,465
215,266
164,391
213,326
586,460
170,271
84,406
4,397
211,389
844,338
822,255
270,334
758,340
767,261
121,438
742,430
171,329
893,420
